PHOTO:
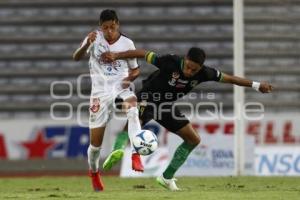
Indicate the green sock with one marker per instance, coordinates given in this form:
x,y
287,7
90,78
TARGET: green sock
x,y
121,140
180,155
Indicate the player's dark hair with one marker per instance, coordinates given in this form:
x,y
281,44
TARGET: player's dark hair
x,y
196,55
107,15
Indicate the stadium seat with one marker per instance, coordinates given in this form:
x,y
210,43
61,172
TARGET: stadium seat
x,y
43,39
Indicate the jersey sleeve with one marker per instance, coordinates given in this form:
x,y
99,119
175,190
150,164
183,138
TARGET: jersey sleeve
x,y
212,74
152,58
132,63
84,42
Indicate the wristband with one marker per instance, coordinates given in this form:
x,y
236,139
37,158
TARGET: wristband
x,y
255,85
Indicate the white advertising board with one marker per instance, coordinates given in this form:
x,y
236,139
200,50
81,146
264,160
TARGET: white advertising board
x,y
277,161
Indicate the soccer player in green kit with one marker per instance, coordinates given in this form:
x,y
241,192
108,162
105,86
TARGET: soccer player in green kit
x,y
176,76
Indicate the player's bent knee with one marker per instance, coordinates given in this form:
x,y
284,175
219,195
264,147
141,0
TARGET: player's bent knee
x,y
96,136
198,140
95,143
195,140
131,100
129,103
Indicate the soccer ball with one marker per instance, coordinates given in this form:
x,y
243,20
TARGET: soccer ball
x,y
145,142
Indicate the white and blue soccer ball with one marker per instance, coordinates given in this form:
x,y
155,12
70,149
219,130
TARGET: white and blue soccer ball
x,y
145,142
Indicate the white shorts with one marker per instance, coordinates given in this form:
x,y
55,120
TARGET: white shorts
x,y
102,107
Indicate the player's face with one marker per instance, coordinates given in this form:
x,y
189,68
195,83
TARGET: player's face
x,y
110,30
190,68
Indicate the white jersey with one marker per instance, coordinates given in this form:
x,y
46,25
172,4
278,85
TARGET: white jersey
x,y
107,77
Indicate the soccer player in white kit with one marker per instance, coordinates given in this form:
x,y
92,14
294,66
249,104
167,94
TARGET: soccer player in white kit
x,y
109,81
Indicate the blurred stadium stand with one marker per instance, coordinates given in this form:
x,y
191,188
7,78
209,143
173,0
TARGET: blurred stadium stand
x,y
37,39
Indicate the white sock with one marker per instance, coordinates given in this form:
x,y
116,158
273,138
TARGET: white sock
x,y
133,124
94,157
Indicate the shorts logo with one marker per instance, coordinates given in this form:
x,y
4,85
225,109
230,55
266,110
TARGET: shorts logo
x,y
95,105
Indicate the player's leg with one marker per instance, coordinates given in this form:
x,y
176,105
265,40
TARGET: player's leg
x,y
190,140
96,138
118,150
130,107
122,137
97,122
145,115
134,126
117,154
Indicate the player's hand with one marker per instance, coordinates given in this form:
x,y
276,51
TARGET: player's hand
x,y
265,87
92,37
125,83
109,56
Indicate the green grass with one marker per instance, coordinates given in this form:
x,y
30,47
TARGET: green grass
x,y
147,189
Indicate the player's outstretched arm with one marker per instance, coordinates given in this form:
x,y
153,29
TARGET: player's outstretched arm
x,y
112,56
80,52
132,75
262,87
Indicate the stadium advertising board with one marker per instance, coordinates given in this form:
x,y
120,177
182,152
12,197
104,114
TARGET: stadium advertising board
x,y
19,139
214,156
273,129
48,139
277,161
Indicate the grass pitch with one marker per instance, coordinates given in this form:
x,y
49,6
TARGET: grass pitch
x,y
147,189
